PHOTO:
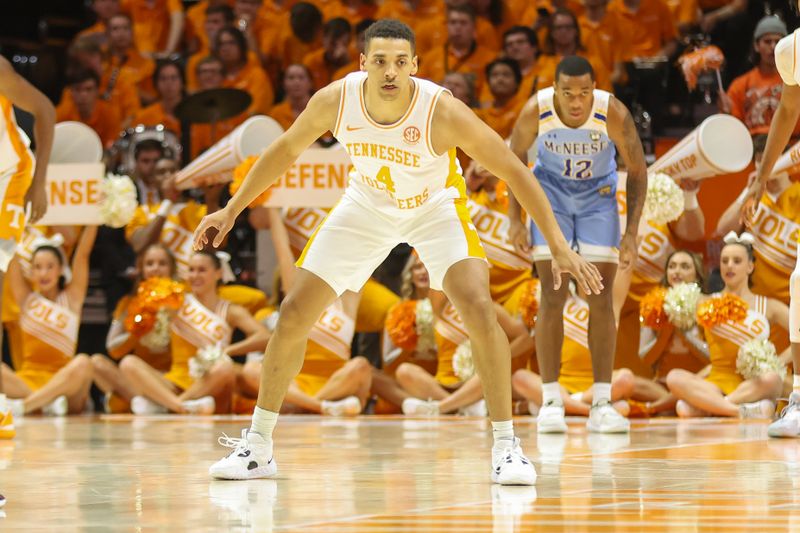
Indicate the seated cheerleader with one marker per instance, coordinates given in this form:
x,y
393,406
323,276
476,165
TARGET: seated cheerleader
x,y
156,261
329,382
52,377
736,317
453,387
667,346
576,377
202,376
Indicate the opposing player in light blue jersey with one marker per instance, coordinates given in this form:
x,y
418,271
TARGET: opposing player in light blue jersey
x,y
578,131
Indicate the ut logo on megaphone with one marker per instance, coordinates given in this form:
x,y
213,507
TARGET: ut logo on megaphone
x,y
721,144
215,164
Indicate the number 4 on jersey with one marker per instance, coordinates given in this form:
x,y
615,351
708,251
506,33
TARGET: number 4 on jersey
x,y
385,177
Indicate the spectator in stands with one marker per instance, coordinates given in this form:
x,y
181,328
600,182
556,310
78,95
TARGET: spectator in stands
x,y
157,25
168,80
601,37
355,64
334,54
298,88
86,106
462,52
753,97
726,21
411,12
521,44
432,32
146,154
646,27
503,78
461,86
103,11
210,74
350,10
685,14
123,55
195,31
294,41
117,87
248,20
216,18
231,49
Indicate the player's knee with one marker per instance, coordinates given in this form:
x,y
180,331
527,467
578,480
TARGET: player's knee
x,y
293,316
478,311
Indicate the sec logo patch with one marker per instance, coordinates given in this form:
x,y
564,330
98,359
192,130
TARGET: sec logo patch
x,y
411,135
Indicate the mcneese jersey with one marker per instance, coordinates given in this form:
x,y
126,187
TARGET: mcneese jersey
x,y
396,169
580,153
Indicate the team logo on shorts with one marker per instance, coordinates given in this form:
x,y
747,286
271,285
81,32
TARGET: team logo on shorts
x,y
605,191
594,136
411,135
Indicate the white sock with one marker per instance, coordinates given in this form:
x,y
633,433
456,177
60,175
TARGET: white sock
x,y
503,432
795,384
3,403
263,422
601,392
551,392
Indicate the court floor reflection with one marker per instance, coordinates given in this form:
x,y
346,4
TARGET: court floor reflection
x,y
396,474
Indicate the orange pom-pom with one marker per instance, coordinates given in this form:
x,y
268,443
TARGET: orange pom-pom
x,y
697,61
716,311
152,295
651,309
401,324
529,303
239,173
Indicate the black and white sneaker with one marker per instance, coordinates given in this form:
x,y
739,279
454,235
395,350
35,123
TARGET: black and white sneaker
x,y
251,458
511,467
2,501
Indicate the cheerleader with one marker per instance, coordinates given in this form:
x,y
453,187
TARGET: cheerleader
x,y
156,261
52,377
201,377
725,392
329,382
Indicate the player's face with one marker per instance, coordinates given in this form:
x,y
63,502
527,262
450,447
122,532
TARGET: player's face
x,y
680,269
156,263
203,274
734,265
389,64
46,269
574,98
419,276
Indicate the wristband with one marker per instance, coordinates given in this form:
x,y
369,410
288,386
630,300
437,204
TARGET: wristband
x,y
164,208
690,202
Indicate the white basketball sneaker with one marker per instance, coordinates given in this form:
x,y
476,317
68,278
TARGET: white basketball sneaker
x,y
251,458
788,424
350,406
201,406
551,418
603,418
511,467
416,407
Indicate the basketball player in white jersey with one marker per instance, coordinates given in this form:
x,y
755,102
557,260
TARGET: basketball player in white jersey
x,y
21,186
787,59
578,130
401,134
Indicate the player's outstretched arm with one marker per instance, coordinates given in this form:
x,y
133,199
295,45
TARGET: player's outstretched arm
x,y
454,120
522,138
317,118
24,95
622,131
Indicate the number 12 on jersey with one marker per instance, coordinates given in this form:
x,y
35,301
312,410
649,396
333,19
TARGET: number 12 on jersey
x,y
579,169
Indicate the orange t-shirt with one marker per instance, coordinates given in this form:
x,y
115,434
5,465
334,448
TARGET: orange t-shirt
x,y
105,120
431,34
254,80
502,119
154,114
352,66
755,98
321,73
645,31
546,69
286,49
196,20
684,12
124,97
137,68
412,16
601,39
440,61
151,21
334,8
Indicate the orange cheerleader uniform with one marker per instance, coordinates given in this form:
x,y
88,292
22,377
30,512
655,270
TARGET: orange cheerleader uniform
x,y
673,348
725,340
49,338
328,348
576,360
195,327
450,333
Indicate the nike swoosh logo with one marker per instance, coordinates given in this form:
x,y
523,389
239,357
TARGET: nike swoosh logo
x,y
351,128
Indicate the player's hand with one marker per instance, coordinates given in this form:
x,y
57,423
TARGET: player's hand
x,y
221,221
748,210
586,274
520,237
628,251
36,201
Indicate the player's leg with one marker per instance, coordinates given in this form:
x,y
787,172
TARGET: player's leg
x,y
788,425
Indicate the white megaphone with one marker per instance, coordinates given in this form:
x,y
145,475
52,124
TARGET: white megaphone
x,y
214,165
721,144
75,142
788,162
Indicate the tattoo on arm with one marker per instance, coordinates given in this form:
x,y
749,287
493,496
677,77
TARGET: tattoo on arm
x,y
637,171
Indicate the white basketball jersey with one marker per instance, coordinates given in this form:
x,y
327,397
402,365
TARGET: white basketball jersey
x,y
13,146
395,167
786,59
